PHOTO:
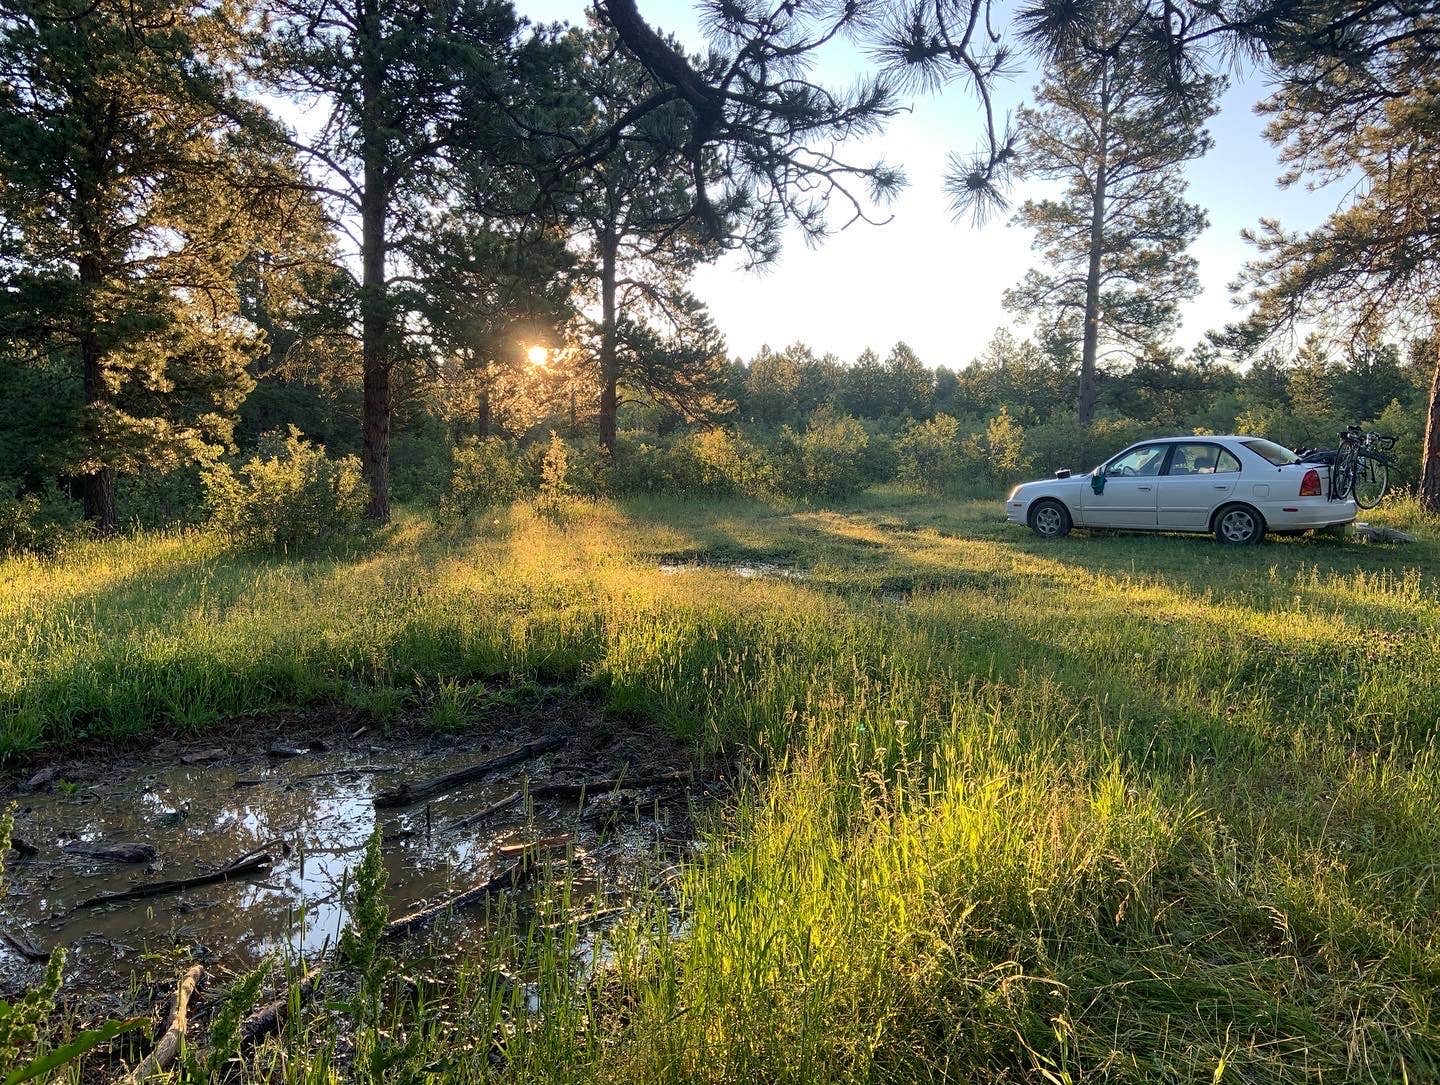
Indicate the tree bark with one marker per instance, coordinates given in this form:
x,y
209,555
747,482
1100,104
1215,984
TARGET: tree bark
x,y
99,486
374,300
1090,348
1430,469
609,359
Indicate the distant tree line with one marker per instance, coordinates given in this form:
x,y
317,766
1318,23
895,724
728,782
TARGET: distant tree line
x,y
396,226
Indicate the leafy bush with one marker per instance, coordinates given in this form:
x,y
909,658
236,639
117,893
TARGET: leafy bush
x,y
486,474
929,455
826,460
1064,442
721,463
43,522
555,489
157,499
288,495
639,467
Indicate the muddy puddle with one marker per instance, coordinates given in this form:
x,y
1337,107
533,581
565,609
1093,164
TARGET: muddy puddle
x,y
745,570
311,806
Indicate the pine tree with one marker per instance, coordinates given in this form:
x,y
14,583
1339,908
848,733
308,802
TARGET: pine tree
x,y
135,182
405,102
1374,265
1114,245
636,211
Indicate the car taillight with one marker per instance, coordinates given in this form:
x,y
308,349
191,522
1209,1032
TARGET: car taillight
x,y
1310,484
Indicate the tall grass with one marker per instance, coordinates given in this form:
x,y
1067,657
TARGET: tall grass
x,y
1129,809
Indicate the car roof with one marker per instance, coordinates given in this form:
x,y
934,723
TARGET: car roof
x,y
1197,437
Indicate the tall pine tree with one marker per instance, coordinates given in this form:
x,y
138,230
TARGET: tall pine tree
x,y
1113,129
134,185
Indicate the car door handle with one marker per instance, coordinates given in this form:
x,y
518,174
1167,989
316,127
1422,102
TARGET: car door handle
x,y
1143,489
1222,486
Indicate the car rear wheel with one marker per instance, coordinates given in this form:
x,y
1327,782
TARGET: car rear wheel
x,y
1050,519
1238,525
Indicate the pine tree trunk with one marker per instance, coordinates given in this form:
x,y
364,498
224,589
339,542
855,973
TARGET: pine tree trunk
x,y
1430,469
609,359
99,486
483,419
1090,348
374,315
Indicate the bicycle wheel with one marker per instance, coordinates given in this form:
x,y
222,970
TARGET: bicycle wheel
x,y
1370,482
1342,475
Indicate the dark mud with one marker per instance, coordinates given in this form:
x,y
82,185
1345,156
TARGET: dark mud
x,y
301,788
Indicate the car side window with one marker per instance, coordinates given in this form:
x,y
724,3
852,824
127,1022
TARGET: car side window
x,y
1202,458
1143,461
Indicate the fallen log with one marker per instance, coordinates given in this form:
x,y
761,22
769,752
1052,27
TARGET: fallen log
x,y
23,946
241,867
267,1019
511,877
555,790
408,794
115,853
168,1046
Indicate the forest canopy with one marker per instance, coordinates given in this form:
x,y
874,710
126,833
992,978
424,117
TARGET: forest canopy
x,y
438,238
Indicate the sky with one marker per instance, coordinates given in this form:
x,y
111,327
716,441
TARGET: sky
x,y
934,282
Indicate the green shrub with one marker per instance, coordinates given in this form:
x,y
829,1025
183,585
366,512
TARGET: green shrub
x,y
826,460
639,467
555,491
288,495
158,499
421,459
1064,442
721,463
486,474
43,522
929,455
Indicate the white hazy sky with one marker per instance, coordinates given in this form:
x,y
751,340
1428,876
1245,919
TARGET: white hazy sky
x,y
937,283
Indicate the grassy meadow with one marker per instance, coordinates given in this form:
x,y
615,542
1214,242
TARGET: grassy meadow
x,y
1113,808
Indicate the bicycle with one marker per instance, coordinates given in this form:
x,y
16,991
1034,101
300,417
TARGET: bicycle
x,y
1361,467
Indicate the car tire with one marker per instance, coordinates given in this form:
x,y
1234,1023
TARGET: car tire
x,y
1049,519
1239,525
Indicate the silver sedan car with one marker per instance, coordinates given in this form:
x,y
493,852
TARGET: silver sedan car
x,y
1237,488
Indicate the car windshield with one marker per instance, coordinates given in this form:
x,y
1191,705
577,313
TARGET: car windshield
x,y
1279,455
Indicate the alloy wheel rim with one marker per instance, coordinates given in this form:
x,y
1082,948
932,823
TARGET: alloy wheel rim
x,y
1237,525
1048,521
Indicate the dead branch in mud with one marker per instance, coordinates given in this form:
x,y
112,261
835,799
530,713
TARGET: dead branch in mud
x,y
408,794
168,1046
555,790
511,877
267,1019
114,853
23,946
241,867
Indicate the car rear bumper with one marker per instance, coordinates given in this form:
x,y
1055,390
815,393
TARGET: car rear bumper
x,y
1307,513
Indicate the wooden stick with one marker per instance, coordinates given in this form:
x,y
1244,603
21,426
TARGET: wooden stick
x,y
168,1046
567,791
23,946
237,869
408,794
267,1019
511,877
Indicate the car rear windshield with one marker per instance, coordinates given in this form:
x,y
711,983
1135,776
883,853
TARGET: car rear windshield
x,y
1279,455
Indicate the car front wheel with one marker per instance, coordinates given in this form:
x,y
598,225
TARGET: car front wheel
x,y
1238,525
1050,520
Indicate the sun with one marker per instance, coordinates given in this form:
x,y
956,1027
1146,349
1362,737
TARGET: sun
x,y
538,355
